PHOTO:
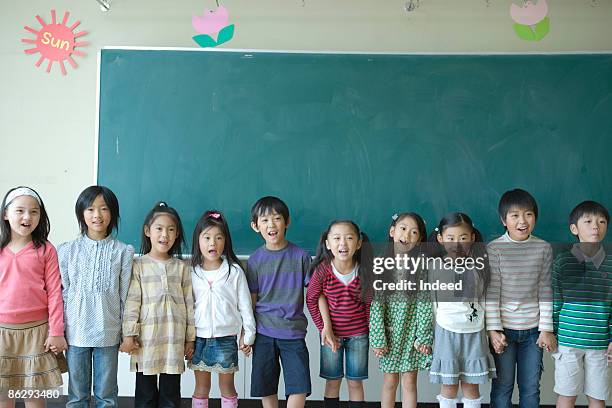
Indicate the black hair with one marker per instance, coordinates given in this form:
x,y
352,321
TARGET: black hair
x,y
40,233
363,256
212,218
587,208
161,208
479,251
390,252
268,205
516,198
86,199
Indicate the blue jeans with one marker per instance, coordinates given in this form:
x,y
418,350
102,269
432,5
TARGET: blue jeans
x,y
523,357
104,361
356,351
265,373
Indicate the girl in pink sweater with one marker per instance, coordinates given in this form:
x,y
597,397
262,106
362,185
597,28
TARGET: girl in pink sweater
x,y
31,307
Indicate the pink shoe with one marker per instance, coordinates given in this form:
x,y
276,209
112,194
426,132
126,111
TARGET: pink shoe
x,y
229,402
199,402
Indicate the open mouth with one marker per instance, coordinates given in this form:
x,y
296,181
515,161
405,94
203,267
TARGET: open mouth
x,y
212,252
272,234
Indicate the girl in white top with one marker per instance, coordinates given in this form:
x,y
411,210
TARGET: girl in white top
x,y
222,307
460,352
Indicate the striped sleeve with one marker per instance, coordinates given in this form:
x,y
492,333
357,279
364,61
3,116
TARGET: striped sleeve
x,y
557,292
493,296
315,289
545,292
131,312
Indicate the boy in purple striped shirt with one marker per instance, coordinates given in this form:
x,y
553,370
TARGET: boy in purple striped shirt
x,y
277,273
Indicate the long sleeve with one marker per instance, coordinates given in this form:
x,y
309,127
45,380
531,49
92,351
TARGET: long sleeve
x,y
424,317
378,310
62,257
493,297
315,289
186,284
246,309
127,258
545,292
131,312
557,293
53,287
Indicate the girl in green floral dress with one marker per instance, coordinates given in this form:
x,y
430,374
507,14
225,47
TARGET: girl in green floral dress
x,y
401,326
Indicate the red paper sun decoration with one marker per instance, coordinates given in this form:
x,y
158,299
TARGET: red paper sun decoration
x,y
55,42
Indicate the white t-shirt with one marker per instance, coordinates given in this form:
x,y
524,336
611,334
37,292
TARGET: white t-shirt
x,y
465,316
348,278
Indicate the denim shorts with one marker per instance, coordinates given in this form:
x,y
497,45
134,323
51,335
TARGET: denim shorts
x,y
355,350
293,356
216,355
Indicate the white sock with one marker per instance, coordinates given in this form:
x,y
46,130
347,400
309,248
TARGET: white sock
x,y
446,402
471,403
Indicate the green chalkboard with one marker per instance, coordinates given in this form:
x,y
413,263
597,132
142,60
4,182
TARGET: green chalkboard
x,y
352,136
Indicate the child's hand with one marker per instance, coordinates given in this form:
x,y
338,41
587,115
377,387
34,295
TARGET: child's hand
x,y
189,349
547,341
379,352
56,344
609,353
422,348
498,341
246,349
329,339
129,345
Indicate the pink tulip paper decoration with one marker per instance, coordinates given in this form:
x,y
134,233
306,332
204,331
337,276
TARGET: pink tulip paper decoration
x,y
531,21
212,24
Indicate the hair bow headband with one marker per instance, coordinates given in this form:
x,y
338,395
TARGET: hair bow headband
x,y
215,215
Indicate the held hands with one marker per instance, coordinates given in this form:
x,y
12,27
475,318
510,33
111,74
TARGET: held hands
x,y
547,341
422,348
189,349
56,344
329,339
245,348
129,345
379,352
609,353
498,341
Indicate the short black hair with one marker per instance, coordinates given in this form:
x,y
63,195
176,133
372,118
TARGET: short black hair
x,y
588,207
87,197
268,205
516,198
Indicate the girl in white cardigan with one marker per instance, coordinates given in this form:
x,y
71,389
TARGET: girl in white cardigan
x,y
222,308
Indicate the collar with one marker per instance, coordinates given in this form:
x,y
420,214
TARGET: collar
x,y
596,259
508,239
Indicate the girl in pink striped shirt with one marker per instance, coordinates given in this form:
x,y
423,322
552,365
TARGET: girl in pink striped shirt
x,y
31,306
338,301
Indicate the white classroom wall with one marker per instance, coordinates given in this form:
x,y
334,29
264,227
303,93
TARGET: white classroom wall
x,y
47,121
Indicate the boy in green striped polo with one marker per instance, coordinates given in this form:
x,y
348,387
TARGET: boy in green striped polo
x,y
582,310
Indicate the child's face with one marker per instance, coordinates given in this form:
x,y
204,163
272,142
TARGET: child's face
x,y
97,218
162,233
212,244
272,227
23,215
342,241
405,234
519,222
457,240
590,228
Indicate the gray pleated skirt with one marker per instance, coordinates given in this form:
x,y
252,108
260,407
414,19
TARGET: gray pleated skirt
x,y
461,357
